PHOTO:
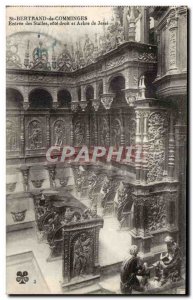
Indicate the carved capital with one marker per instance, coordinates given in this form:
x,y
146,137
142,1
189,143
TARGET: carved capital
x,y
107,100
25,105
55,105
96,104
130,97
74,106
83,104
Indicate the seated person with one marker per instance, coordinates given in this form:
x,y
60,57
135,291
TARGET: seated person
x,y
131,268
169,265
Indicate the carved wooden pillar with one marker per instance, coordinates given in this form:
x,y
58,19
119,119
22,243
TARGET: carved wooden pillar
x,y
25,97
159,54
74,103
144,25
136,219
138,145
131,33
55,98
171,154
145,147
172,217
25,172
180,167
83,102
122,142
48,130
88,131
105,85
22,138
52,174
173,31
65,256
95,90
95,116
96,251
82,93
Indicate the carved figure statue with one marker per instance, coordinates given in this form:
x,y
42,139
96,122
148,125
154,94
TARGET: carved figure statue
x,y
116,133
104,131
35,136
78,133
59,133
131,268
82,255
11,136
169,266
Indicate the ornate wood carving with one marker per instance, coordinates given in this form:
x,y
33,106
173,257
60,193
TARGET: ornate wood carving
x,y
79,132
116,131
157,213
59,133
157,130
104,131
35,140
12,141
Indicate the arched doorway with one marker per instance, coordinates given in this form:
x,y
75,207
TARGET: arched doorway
x,y
40,98
14,99
64,99
116,86
89,93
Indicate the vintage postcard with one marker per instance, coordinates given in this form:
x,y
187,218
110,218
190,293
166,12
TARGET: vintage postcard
x,y
96,144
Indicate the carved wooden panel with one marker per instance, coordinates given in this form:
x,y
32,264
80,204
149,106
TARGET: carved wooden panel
x,y
35,134
13,135
79,131
103,131
82,253
58,132
157,133
116,130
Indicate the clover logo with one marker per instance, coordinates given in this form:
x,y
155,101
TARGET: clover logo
x,y
22,277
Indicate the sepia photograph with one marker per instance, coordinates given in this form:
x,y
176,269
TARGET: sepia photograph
x,y
96,150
